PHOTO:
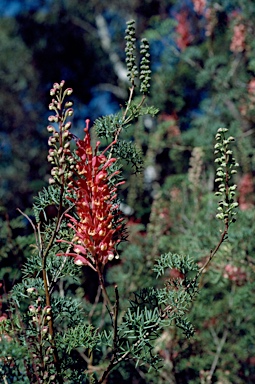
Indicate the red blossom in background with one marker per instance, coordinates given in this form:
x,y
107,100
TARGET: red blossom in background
x,y
183,30
251,92
199,6
251,87
173,130
246,192
211,21
97,231
235,274
238,38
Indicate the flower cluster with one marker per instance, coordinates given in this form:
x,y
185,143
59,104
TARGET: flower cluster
x,y
59,153
130,51
226,169
196,166
99,225
145,71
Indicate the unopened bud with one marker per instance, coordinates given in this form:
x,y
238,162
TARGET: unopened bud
x,y
47,309
32,308
69,91
52,118
67,125
32,289
68,104
65,134
50,128
52,140
46,374
69,112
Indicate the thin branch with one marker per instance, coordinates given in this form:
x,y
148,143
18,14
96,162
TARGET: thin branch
x,y
105,294
87,27
115,324
91,313
213,252
217,355
106,43
32,224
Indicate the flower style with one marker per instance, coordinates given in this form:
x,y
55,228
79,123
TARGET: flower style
x,y
98,227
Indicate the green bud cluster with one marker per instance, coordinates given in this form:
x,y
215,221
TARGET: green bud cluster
x,y
145,71
144,68
130,51
59,141
224,173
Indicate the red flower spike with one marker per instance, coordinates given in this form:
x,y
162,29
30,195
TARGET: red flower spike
x,y
97,231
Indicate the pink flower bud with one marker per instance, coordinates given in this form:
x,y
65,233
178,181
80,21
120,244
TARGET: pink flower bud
x,y
65,134
51,181
69,112
67,125
32,308
69,91
47,309
50,128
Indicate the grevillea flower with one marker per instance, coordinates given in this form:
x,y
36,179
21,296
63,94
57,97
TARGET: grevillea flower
x,y
98,226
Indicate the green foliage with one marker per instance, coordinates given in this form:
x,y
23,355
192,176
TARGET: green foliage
x,y
117,326
81,336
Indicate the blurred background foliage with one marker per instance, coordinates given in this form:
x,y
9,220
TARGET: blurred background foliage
x,y
203,77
